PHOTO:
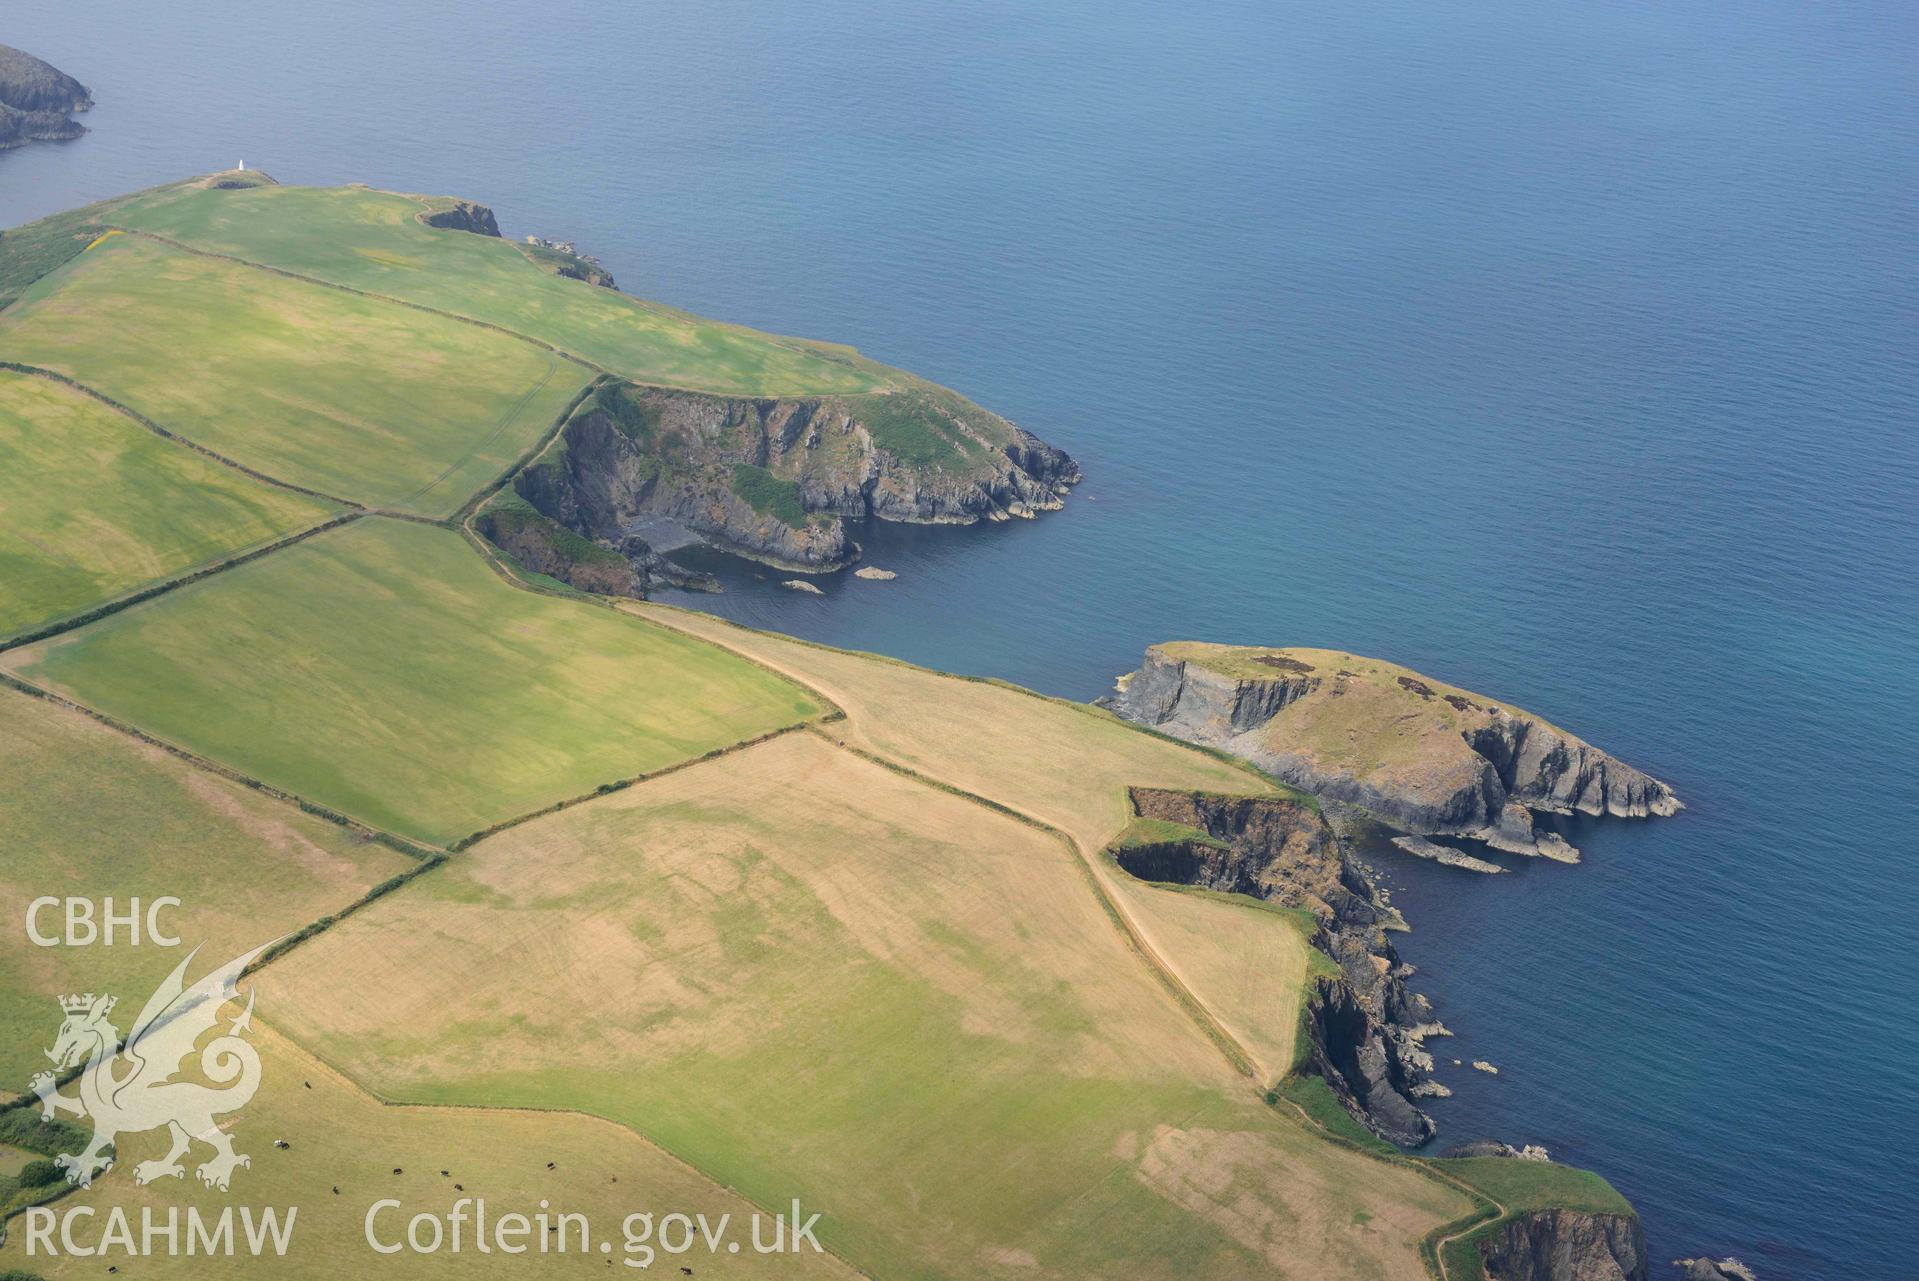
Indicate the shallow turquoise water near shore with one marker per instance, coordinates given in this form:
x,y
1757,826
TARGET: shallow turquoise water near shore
x,y
1566,353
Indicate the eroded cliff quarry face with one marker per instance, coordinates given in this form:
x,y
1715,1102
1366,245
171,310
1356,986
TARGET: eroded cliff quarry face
x,y
1423,756
777,478
628,567
1566,1245
37,100
1365,1028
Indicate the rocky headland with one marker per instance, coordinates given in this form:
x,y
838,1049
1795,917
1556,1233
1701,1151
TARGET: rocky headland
x,y
779,479
1423,757
37,101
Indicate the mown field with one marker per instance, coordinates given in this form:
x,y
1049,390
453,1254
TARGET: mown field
x,y
372,240
92,505
1068,765
351,396
812,976
383,670
339,1136
90,812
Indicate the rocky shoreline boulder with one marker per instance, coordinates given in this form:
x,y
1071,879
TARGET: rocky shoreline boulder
x,y
1713,1270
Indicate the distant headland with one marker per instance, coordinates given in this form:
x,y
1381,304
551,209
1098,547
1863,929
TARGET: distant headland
x,y
37,101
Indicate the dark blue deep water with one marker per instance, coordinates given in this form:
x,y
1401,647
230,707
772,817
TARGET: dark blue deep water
x,y
1567,351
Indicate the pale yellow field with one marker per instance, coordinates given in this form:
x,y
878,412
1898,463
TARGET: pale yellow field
x,y
1059,762
1070,766
810,976
1244,961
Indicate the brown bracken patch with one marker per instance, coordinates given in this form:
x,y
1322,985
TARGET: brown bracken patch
x,y
1283,663
1420,688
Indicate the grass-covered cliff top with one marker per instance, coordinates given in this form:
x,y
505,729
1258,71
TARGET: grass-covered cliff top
x,y
375,242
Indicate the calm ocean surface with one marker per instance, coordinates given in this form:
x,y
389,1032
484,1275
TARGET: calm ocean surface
x,y
1564,351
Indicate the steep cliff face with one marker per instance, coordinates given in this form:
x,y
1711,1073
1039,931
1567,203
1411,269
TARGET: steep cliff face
x,y
776,478
1365,1027
1566,1245
1424,756
29,84
37,100
461,215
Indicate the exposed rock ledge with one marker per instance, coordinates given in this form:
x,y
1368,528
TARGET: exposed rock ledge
x,y
777,478
37,100
1425,757
1365,1027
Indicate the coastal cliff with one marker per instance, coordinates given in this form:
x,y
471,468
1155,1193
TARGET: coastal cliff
x,y
1364,1027
776,479
37,100
1423,756
1566,1245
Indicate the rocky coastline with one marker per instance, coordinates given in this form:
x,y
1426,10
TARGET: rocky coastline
x,y
1372,744
37,101
1365,1028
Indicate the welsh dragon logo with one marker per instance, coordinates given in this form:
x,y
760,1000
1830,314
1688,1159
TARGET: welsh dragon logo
x,y
131,1089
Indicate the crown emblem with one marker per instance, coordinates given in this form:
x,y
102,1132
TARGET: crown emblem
x,y
81,1004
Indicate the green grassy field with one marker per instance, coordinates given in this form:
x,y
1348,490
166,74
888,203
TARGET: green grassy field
x,y
90,812
372,240
92,505
347,395
382,669
811,976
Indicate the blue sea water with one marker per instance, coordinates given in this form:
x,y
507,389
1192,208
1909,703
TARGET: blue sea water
x,y
1569,352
